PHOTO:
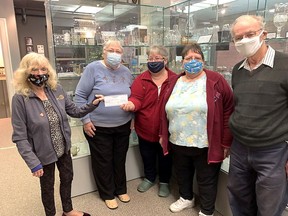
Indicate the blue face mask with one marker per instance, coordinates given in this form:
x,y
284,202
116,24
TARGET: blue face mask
x,y
193,67
114,59
155,67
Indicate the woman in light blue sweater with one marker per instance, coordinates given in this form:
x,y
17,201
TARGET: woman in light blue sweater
x,y
107,129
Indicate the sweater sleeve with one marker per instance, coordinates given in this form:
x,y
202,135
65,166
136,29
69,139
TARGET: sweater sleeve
x,y
228,108
73,110
84,89
20,134
137,93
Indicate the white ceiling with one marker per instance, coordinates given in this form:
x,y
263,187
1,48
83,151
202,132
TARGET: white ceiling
x,y
233,10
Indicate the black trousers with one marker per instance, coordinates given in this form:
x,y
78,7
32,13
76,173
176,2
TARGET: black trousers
x,y
64,165
186,161
108,150
152,153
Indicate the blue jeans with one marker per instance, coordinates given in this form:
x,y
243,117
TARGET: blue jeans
x,y
257,181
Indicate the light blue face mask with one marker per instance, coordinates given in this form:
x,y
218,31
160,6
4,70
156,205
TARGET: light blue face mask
x,y
114,59
193,66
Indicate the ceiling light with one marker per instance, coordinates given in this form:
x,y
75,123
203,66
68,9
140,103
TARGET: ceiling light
x,y
214,2
204,4
272,10
70,8
88,9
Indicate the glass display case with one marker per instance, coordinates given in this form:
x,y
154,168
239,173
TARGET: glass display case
x,y
76,31
208,23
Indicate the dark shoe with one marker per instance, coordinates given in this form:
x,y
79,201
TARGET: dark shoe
x,y
145,185
84,214
164,190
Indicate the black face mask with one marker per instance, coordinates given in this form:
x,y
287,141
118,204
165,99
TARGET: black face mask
x,y
38,80
155,67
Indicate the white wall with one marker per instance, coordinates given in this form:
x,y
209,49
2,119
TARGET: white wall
x,y
10,44
7,12
1,56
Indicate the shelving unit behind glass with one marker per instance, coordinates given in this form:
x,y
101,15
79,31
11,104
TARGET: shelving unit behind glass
x,y
208,23
75,37
77,30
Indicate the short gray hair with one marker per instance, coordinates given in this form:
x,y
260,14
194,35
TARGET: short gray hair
x,y
259,19
159,49
110,41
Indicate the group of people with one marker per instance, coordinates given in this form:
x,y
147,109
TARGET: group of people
x,y
191,121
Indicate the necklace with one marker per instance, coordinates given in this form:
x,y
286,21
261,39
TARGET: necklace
x,y
41,94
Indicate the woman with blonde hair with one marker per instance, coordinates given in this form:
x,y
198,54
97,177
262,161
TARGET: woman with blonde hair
x,y
41,130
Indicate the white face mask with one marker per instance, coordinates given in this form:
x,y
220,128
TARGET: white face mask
x,y
249,46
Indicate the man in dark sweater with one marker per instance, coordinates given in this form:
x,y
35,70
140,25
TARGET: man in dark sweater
x,y
258,171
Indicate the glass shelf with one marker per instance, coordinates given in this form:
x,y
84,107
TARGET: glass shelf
x,y
78,139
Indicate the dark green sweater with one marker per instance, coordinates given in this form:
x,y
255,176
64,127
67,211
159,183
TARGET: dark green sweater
x,y
261,103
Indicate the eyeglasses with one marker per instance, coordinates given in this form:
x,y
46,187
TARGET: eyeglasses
x,y
250,34
192,58
156,59
43,69
116,51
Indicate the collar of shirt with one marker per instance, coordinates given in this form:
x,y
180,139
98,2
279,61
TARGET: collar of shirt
x,y
267,60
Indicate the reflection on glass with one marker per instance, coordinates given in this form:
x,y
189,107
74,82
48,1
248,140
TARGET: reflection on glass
x,y
280,17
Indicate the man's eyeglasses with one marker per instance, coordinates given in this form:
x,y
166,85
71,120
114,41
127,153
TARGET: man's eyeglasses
x,y
250,34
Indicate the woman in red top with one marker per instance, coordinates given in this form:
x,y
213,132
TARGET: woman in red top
x,y
147,92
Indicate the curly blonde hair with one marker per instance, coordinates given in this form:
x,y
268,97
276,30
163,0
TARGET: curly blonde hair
x,y
29,61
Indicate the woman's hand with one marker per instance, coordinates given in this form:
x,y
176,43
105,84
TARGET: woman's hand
x,y
129,106
89,129
38,173
98,99
226,152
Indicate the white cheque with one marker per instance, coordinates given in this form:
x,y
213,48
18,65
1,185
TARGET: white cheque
x,y
115,100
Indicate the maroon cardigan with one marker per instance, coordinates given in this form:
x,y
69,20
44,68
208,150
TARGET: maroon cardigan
x,y
220,107
144,95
